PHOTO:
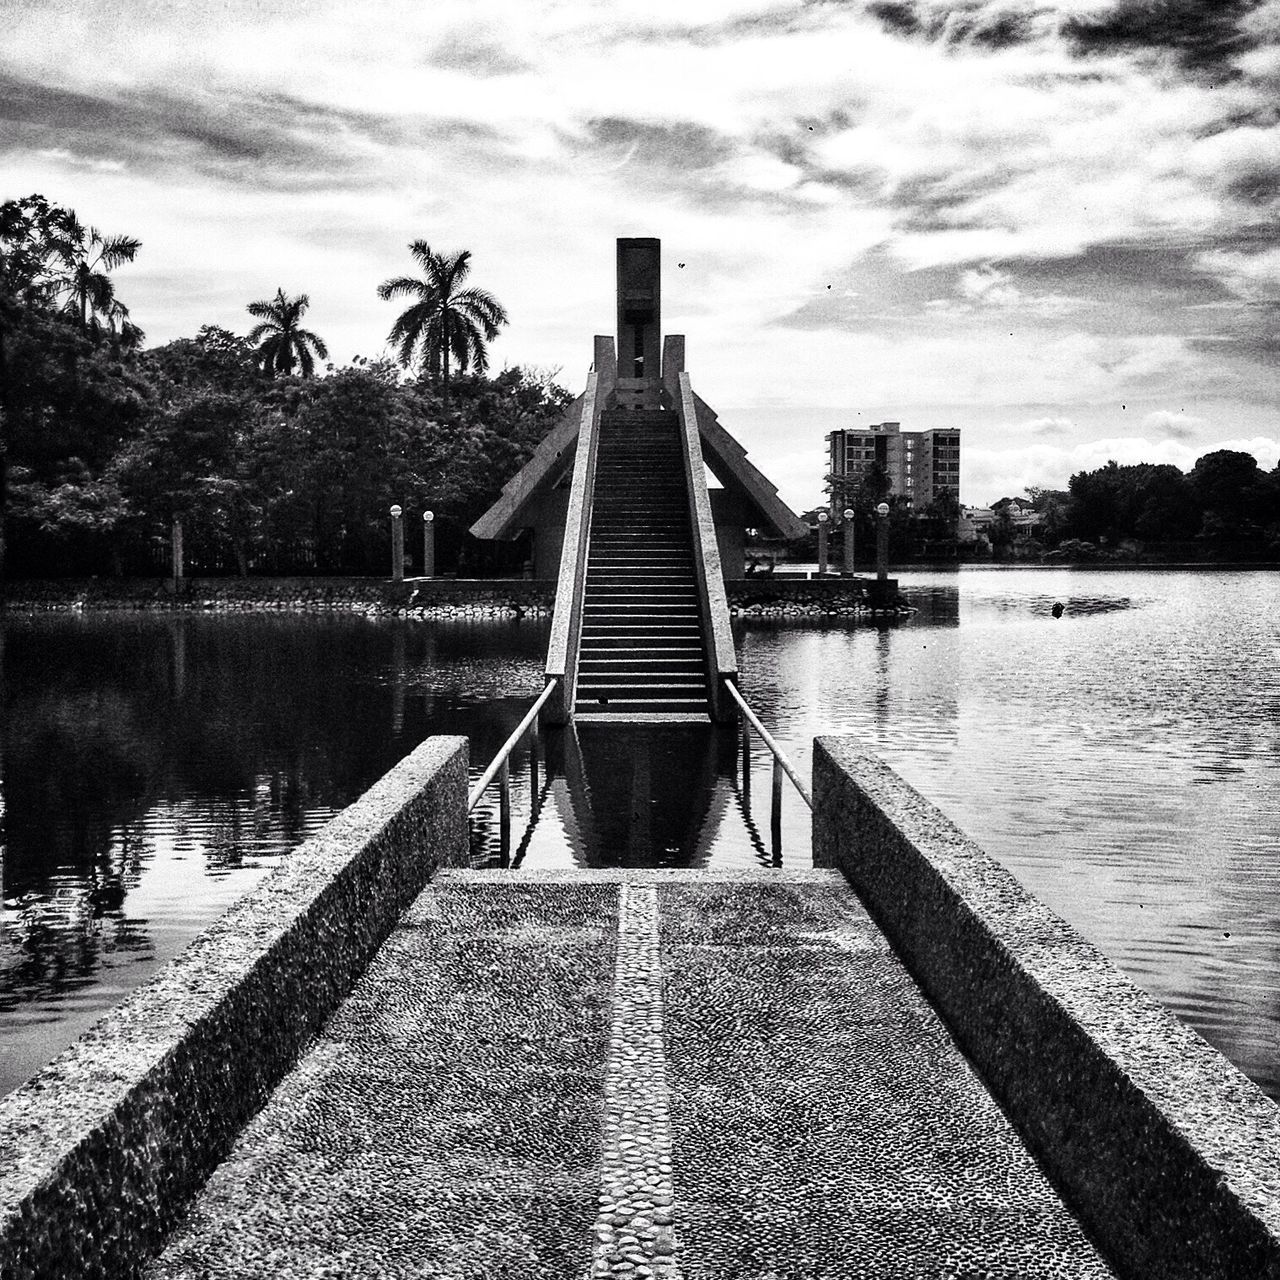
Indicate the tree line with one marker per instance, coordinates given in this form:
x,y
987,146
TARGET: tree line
x,y
268,464
1226,504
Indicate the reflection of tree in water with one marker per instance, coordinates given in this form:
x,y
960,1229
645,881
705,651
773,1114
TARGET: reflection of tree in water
x,y
54,946
234,736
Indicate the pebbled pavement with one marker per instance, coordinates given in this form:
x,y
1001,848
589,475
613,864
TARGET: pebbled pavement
x,y
747,1087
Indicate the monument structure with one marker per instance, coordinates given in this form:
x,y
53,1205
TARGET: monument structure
x,y
624,517
537,496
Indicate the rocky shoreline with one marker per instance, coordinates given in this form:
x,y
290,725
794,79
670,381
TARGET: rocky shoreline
x,y
423,598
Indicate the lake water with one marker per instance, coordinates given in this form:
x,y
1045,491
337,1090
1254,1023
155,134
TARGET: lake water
x,y
1121,760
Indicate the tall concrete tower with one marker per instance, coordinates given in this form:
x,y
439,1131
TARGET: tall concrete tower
x,y
640,308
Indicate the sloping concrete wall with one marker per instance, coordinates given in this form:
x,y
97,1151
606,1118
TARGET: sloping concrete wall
x,y
101,1150
1168,1153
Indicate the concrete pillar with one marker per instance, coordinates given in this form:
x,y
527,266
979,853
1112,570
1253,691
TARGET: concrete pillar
x,y
397,544
848,542
428,544
882,541
823,521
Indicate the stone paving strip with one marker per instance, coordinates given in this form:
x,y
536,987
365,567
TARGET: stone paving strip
x,y
648,1075
824,1125
446,1123
635,1232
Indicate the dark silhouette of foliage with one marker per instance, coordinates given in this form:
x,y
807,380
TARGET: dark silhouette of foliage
x,y
445,320
280,339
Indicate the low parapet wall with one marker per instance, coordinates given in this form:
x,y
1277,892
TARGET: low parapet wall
x,y
1168,1153
100,1151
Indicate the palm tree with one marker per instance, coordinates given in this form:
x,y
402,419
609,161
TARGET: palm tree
x,y
444,320
88,291
281,341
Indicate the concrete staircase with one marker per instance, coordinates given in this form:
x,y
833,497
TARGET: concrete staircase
x,y
642,650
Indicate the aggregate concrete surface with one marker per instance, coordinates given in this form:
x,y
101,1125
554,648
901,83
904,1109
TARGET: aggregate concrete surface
x,y
636,1075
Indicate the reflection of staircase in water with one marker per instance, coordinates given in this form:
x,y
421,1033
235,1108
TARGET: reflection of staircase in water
x,y
655,796
649,795
642,646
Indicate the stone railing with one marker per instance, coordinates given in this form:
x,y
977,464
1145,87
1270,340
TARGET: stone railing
x,y
566,622
1169,1155
100,1152
722,661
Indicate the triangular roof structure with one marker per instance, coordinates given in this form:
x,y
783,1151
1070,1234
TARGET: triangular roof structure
x,y
520,503
552,462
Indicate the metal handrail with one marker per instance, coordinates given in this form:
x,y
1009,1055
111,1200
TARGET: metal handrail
x,y
779,756
500,761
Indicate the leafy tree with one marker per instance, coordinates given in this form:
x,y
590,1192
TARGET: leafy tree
x,y
65,404
940,516
1232,490
445,320
215,360
68,406
1002,530
1225,497
1102,502
32,232
1053,507
36,238
281,340
1162,507
196,461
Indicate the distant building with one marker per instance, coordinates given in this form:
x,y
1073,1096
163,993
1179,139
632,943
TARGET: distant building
x,y
920,465
974,523
977,522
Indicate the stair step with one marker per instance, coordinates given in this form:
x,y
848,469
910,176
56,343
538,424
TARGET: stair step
x,y
666,669
642,699
650,649
654,578
624,708
684,615
635,631
629,599
679,565
642,619
644,601
644,549
650,682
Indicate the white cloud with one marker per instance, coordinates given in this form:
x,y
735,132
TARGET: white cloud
x,y
1176,426
816,136
1252,276
989,287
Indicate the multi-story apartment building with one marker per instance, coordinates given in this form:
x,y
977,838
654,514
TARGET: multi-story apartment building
x,y
920,465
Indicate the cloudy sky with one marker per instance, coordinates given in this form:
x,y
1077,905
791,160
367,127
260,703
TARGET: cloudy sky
x,y
1053,225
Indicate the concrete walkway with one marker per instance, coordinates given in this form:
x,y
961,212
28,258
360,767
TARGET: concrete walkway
x,y
714,1076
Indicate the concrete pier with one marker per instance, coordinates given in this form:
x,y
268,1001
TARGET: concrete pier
x,y
381,1065
632,1074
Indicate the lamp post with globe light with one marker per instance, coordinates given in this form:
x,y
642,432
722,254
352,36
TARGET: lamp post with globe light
x,y
882,542
397,544
428,544
848,542
823,521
